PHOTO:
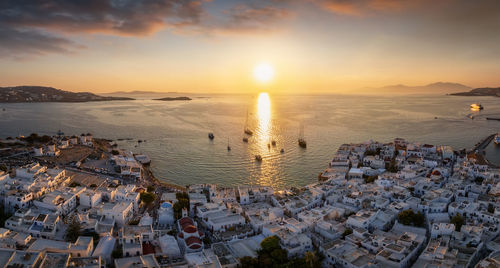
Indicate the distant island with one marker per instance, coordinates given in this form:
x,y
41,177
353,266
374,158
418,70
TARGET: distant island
x,y
484,91
434,88
21,94
174,99
139,92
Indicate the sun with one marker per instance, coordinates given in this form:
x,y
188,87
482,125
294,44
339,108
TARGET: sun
x,y
263,72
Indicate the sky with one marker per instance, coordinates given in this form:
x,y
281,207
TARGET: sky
x,y
213,46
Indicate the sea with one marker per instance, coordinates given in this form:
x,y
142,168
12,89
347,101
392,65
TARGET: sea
x,y
175,133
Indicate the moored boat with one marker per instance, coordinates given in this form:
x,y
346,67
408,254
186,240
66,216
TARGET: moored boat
x,y
211,135
302,143
476,106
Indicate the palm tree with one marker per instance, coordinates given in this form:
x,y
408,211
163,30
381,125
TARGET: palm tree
x,y
310,259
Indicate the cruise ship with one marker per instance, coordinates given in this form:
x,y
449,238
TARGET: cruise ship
x,y
476,106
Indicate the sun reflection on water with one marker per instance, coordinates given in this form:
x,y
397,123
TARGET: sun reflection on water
x,y
264,117
267,169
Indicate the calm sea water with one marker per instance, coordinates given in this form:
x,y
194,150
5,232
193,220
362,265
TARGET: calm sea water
x,y
177,142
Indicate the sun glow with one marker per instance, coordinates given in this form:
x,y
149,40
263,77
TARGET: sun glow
x,y
263,72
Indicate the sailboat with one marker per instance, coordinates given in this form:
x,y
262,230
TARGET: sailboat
x,y
302,141
247,130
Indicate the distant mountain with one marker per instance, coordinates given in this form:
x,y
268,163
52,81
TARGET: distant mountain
x,y
175,99
135,92
434,88
484,91
48,94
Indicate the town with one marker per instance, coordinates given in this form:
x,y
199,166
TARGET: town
x,y
79,201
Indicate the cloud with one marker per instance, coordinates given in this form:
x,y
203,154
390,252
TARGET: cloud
x,y
52,19
244,19
19,43
118,17
366,7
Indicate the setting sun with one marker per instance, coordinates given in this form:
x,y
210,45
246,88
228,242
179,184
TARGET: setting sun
x,y
263,72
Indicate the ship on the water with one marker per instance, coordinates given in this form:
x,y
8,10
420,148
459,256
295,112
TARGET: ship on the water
x,y
476,106
247,130
302,140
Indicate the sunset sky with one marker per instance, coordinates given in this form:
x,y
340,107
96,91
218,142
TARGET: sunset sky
x,y
213,46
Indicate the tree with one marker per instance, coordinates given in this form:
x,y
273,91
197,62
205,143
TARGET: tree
x,y
270,243
249,262
370,179
74,184
310,258
346,232
148,198
74,230
182,202
117,253
491,208
458,220
4,216
408,217
151,188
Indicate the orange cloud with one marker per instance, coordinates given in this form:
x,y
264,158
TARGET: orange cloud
x,y
366,7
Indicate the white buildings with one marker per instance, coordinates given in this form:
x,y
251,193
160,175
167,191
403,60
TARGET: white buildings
x,y
169,246
86,139
134,237
222,220
165,215
120,212
104,248
60,201
127,194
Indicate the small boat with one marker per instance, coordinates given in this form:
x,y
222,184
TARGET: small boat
x,y
248,132
3,109
273,143
228,147
497,139
211,135
245,139
302,143
476,106
258,158
139,141
282,151
60,133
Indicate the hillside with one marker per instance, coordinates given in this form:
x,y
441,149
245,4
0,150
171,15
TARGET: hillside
x,y
48,94
434,88
485,91
175,99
